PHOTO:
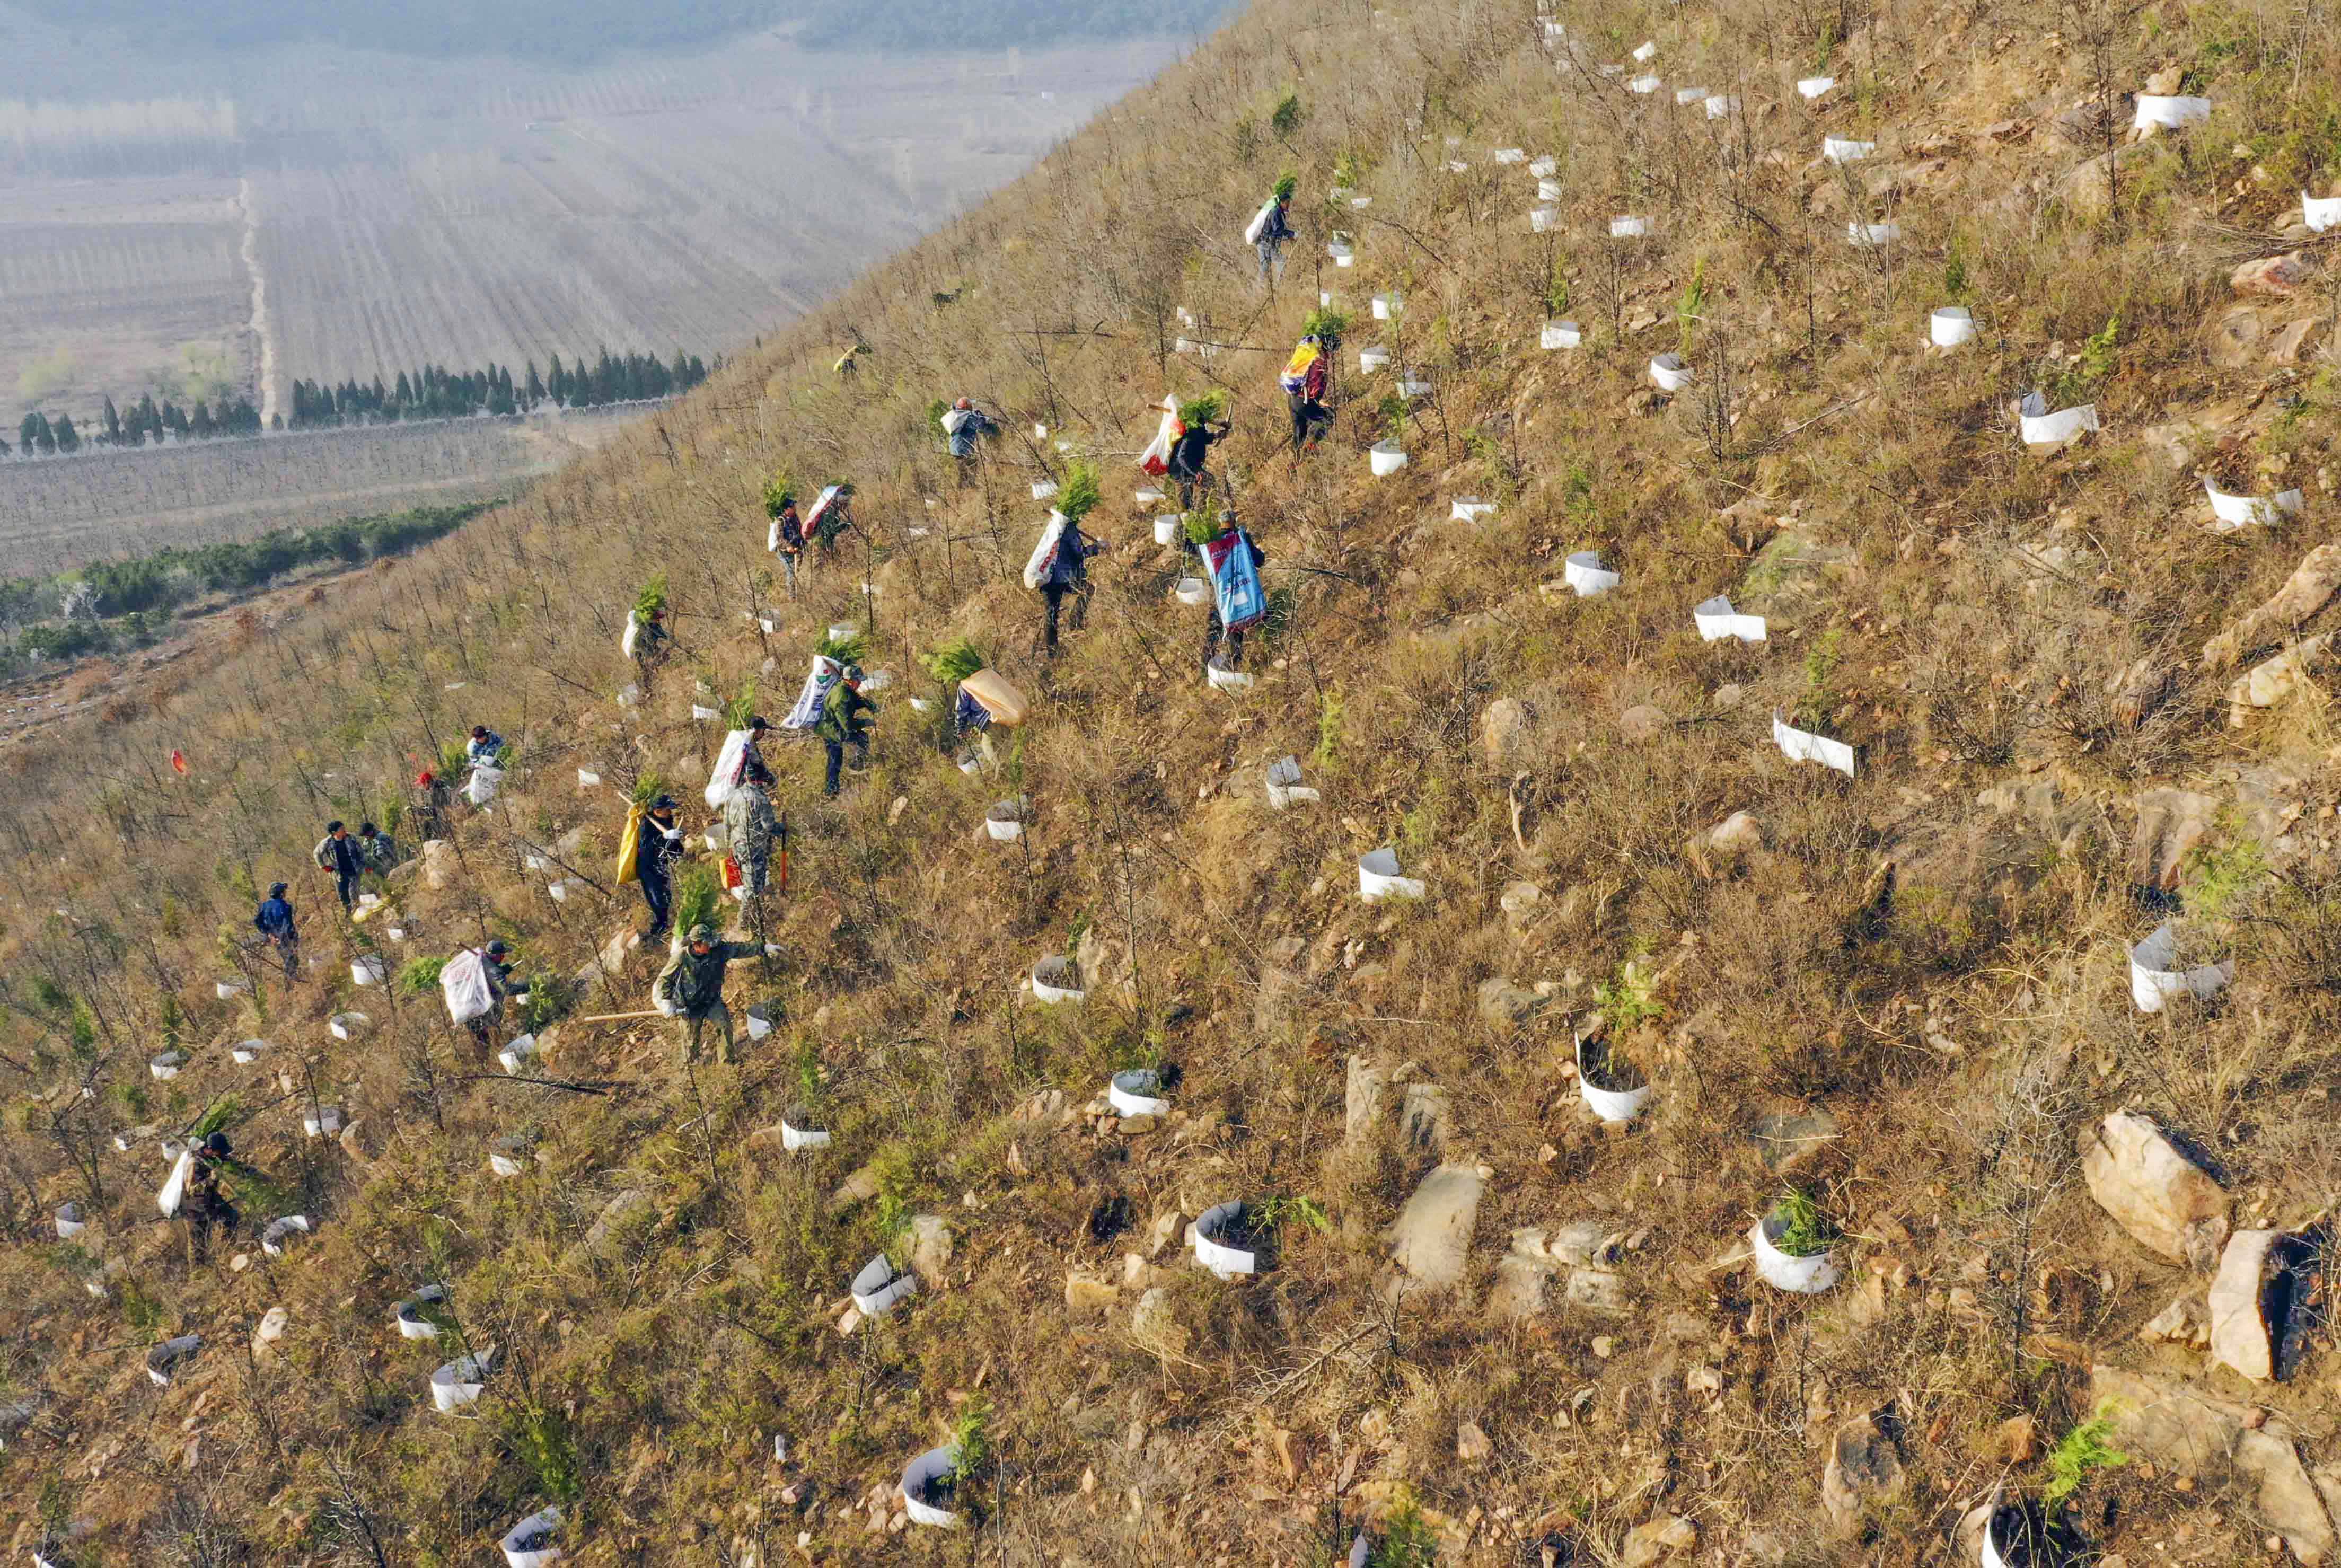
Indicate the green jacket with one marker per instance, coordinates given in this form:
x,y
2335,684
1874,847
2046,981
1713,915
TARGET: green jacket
x,y
693,981
837,714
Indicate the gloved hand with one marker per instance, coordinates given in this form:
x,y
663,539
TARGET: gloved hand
x,y
666,1005
771,949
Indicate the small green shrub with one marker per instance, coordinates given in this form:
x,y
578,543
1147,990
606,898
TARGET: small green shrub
x,y
2079,1454
972,1441
1804,1231
1284,121
1627,1001
419,976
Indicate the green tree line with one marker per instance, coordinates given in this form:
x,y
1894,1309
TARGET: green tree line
x,y
115,605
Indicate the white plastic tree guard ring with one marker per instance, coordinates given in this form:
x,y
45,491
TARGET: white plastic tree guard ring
x,y
529,1543
921,705
971,764
535,862
1804,746
1722,106
1470,509
798,1133
1547,189
1809,87
1192,591
1610,1104
1510,155
1285,790
1797,1275
1627,226
1413,385
1869,236
587,779
1373,360
1668,371
2155,977
1844,150
1043,489
924,1479
1587,577
1544,220
280,1231
166,1066
396,934
162,1360
1147,495
1389,307
1715,620
880,1287
1645,84
1950,326
1385,458
1379,878
2038,427
1055,980
510,1160
1166,531
348,1026
1555,30
1226,1262
369,969
1137,1092
458,1384
519,1053
2319,213
1560,335
1005,819
244,1053
1343,256
559,891
843,631
761,1016
322,1121
1454,166
2165,113
1222,679
2234,512
408,1314
1645,51
705,714
229,989
1545,168
1686,96
69,1221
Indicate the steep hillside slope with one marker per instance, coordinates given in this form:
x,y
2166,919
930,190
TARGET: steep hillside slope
x,y
1900,1001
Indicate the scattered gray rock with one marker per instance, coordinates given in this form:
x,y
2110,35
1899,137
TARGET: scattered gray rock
x,y
1597,1290
1523,1288
2187,1321
1863,1471
1369,1084
1505,1008
2170,822
1790,1140
931,1249
1505,727
2174,1425
614,1216
1643,721
1432,1234
1424,1118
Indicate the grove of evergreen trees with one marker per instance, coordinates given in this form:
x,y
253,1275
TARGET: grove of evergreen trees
x,y
432,392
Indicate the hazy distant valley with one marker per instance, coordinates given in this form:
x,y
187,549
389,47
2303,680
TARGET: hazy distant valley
x,y
207,229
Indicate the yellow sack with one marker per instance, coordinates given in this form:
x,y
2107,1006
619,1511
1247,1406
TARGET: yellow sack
x,y
1298,366
628,841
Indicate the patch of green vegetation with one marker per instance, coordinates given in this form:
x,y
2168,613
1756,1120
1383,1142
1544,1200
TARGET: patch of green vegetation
x,y
1804,1230
1627,1001
419,976
2080,1454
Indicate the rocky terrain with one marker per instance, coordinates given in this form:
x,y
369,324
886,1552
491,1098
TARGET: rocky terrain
x,y
1840,1076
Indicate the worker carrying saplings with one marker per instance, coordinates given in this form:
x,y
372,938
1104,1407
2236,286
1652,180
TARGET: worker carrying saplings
x,y
689,990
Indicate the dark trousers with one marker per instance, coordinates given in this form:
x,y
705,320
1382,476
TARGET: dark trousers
x,y
1215,632
203,1213
659,894
1189,483
1055,593
289,947
345,883
1311,419
859,740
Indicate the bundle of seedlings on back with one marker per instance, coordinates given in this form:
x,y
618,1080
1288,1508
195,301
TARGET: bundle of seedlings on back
x,y
1079,495
1206,409
651,598
776,489
844,650
955,661
1326,324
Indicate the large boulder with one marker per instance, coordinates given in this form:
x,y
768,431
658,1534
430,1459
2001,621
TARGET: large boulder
x,y
2166,1202
439,866
2239,1329
2308,590
2212,1441
2273,679
1432,1234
